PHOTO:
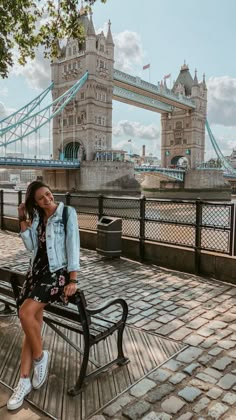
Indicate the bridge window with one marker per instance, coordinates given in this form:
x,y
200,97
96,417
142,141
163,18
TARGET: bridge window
x,y
71,120
65,68
78,120
169,127
74,66
69,52
102,48
82,95
187,125
74,50
172,142
178,125
184,141
101,64
178,141
64,122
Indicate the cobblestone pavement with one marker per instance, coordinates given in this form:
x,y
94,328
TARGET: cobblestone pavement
x,y
198,383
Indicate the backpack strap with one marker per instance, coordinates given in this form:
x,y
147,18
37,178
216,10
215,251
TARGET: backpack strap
x,y
65,217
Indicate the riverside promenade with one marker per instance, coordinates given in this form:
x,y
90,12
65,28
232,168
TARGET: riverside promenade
x,y
195,314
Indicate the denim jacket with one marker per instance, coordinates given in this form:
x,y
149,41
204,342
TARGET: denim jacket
x,y
61,251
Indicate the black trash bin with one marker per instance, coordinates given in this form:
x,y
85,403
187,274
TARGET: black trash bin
x,y
109,232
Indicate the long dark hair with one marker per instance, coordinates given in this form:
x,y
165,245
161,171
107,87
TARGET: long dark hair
x,y
30,204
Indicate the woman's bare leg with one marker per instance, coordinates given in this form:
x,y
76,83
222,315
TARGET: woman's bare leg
x,y
26,354
31,313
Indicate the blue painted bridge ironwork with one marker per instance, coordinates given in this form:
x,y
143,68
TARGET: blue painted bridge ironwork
x,y
40,163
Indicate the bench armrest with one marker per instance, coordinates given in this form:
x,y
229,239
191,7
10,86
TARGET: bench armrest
x,y
107,304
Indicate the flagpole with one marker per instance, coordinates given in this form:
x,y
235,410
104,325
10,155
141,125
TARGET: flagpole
x,y
149,72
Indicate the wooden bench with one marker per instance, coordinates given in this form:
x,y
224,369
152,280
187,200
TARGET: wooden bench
x,y
78,317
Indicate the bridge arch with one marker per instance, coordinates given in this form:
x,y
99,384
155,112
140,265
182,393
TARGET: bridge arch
x,y
74,150
180,160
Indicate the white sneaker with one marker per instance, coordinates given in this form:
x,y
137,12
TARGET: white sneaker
x,y
23,388
40,371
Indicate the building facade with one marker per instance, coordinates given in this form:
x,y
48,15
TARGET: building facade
x,y
85,125
183,132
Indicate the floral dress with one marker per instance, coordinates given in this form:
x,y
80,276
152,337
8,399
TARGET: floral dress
x,y
40,284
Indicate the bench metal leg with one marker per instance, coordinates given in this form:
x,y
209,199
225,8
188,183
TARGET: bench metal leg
x,y
7,311
82,375
122,360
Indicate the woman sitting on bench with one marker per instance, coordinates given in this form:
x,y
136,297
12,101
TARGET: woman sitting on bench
x,y
51,277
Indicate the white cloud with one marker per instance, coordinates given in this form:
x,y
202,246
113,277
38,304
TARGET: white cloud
x,y
136,129
36,72
129,51
5,111
3,91
222,100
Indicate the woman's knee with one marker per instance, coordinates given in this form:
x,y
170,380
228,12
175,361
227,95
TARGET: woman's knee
x,y
25,314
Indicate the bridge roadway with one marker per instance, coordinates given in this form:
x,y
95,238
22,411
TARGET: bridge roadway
x,y
138,92
25,163
199,313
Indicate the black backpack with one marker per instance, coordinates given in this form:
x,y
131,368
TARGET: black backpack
x,y
65,217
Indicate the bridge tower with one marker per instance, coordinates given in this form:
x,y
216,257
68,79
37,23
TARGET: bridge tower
x,y
183,132
85,125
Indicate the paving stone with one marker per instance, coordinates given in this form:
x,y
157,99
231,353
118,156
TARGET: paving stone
x,y
165,318
98,417
210,314
206,378
204,360
113,408
201,405
204,386
136,410
193,340
179,311
177,378
152,326
205,331
156,416
217,410
172,326
222,363
213,372
197,323
190,369
215,351
181,333
189,355
186,416
232,354
189,393
229,398
142,388
226,344
215,325
214,393
209,342
172,405
172,365
159,375
159,392
227,381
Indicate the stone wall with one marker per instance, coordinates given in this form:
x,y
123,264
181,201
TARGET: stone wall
x,y
205,178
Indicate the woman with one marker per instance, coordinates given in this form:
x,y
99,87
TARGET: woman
x,y
51,277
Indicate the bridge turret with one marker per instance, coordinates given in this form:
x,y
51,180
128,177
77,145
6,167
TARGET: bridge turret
x,y
183,132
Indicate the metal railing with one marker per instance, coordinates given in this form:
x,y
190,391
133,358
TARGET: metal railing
x,y
193,224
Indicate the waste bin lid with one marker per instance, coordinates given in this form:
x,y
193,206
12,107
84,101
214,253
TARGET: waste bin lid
x,y
105,220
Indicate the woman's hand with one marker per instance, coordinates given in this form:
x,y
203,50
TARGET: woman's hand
x,y
21,210
70,289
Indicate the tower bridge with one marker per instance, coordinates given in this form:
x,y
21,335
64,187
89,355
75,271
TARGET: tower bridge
x,y
79,119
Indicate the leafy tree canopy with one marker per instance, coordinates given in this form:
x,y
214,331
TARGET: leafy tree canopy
x,y
27,24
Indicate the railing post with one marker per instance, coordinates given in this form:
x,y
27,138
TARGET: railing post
x,y
1,208
198,230
100,206
67,196
19,197
233,227
142,227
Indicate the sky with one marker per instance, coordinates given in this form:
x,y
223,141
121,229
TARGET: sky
x,y
164,34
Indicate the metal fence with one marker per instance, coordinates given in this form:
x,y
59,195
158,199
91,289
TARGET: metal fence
x,y
199,225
